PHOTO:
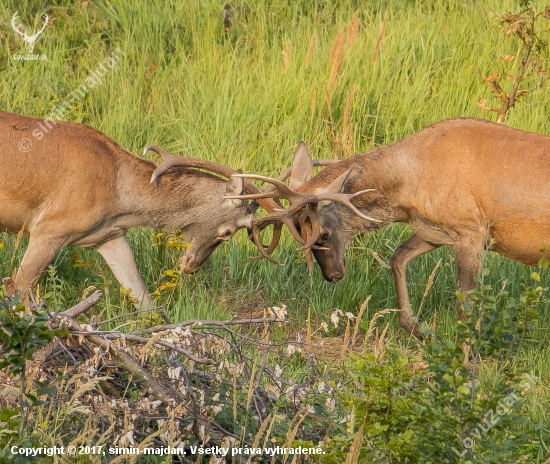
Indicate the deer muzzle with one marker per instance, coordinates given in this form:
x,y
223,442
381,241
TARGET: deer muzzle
x,y
187,264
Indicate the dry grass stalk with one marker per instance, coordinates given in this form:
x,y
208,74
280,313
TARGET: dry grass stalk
x,y
353,29
308,327
297,420
310,49
380,37
376,316
235,395
376,256
336,57
313,101
251,386
355,448
434,320
346,138
429,285
17,242
268,433
346,339
259,434
358,321
286,54
380,342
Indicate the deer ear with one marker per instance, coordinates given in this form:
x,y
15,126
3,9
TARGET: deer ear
x,y
235,186
337,185
302,166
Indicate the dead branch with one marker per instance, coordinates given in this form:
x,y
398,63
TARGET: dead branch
x,y
160,328
83,306
163,343
119,357
191,391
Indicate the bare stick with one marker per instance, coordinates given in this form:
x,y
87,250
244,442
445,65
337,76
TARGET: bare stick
x,y
83,306
160,328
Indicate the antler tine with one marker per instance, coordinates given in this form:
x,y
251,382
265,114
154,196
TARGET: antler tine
x,y
285,215
314,227
262,222
168,161
258,242
307,233
278,226
281,215
297,199
281,188
344,199
277,220
277,230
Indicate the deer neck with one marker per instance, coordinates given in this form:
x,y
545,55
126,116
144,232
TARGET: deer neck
x,y
176,199
373,170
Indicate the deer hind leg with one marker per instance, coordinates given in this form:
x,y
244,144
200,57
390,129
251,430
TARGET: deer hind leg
x,y
413,247
118,255
468,260
40,252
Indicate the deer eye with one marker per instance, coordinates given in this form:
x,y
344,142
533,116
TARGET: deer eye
x,y
227,233
324,236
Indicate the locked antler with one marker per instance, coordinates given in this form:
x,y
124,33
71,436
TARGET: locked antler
x,y
280,215
304,203
278,225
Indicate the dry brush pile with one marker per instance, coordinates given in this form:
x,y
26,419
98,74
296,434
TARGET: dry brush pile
x,y
197,382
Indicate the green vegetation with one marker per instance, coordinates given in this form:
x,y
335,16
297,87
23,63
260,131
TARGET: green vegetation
x,y
243,97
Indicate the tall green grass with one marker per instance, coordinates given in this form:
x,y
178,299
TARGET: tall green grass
x,y
244,98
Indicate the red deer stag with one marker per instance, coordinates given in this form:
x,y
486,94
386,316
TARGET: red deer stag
x,y
455,183
77,187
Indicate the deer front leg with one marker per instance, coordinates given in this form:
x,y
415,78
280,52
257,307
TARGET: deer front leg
x,y
413,247
40,252
118,255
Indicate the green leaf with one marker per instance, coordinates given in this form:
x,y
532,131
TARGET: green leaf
x,y
463,389
460,296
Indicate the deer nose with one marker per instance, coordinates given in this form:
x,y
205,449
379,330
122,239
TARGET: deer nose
x,y
337,274
188,265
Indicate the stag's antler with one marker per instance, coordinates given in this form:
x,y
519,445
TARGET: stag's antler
x,y
303,203
298,199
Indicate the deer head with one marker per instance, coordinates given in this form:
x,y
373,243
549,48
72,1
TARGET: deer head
x,y
21,30
310,217
214,223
